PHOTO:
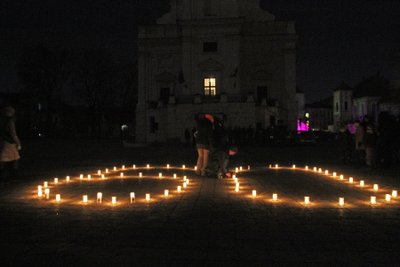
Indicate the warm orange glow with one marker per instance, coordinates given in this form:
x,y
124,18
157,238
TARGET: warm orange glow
x,y
341,201
98,172
99,197
306,200
148,166
134,166
306,168
362,183
47,193
195,168
294,166
40,192
113,200
123,167
106,170
274,197
341,177
248,167
89,177
132,196
179,188
147,197
326,172
254,193
388,197
237,187
184,185
373,200
115,168
67,178
183,166
166,193
81,176
167,166
320,170
236,169
102,176
241,168
56,180
160,175
276,166
58,198
351,180
140,174
376,187
85,199
184,178
175,176
394,193
334,174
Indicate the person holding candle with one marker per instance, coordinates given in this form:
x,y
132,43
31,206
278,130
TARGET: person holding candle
x,y
9,141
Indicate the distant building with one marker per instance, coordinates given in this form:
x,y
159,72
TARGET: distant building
x,y
229,58
320,114
342,105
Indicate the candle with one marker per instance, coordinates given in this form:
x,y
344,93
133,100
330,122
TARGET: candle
x,y
276,166
58,198
174,175
166,193
183,166
167,166
320,170
98,172
160,175
140,174
132,196
134,166
56,180
351,180
148,166
184,185
334,174
388,197
270,166
234,176
40,192
106,170
306,200
81,176
147,197
179,188
274,197
341,201
85,199
68,178
306,168
394,193
241,168
115,168
294,166
362,183
236,169
187,181
122,175
184,178
114,200
195,168
102,176
248,167
376,187
89,177
237,186
326,172
123,167
315,169
373,200
341,177
99,197
47,193
254,193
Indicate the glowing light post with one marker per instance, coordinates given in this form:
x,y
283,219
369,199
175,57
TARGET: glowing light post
x,y
394,193
341,201
373,200
166,193
254,193
306,200
376,187
147,197
99,198
388,198
113,200
85,199
132,197
47,193
58,198
274,197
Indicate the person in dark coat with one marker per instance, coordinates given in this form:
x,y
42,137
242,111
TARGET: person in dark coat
x,y
346,142
203,135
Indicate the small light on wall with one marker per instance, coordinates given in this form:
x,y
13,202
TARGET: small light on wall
x,y
254,193
166,193
376,187
179,189
362,183
351,180
85,199
341,201
56,180
58,198
373,200
306,200
388,197
132,197
113,200
394,193
68,178
99,197
274,197
147,197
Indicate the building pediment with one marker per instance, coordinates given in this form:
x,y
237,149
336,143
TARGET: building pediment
x,y
210,65
165,77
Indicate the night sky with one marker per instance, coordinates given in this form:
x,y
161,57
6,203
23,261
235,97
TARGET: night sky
x,y
338,39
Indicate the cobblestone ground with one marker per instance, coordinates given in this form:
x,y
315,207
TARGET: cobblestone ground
x,y
206,224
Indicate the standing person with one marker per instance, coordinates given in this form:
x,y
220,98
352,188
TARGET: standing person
x,y
346,144
359,142
203,137
9,141
370,145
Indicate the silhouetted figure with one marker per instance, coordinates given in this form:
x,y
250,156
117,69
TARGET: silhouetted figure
x,y
204,139
370,144
346,142
360,142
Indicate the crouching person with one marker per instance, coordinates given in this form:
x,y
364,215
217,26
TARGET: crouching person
x,y
218,162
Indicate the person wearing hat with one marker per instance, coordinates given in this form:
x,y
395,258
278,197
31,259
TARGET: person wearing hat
x,y
9,141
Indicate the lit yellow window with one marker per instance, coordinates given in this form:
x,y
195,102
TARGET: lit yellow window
x,y
210,86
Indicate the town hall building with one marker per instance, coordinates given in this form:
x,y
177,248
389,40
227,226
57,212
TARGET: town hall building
x,y
229,58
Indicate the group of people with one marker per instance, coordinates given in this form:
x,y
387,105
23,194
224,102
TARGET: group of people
x,y
9,143
213,147
372,145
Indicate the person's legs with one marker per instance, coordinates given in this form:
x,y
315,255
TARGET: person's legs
x,y
200,157
205,160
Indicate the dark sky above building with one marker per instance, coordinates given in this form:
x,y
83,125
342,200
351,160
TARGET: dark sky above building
x,y
338,39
